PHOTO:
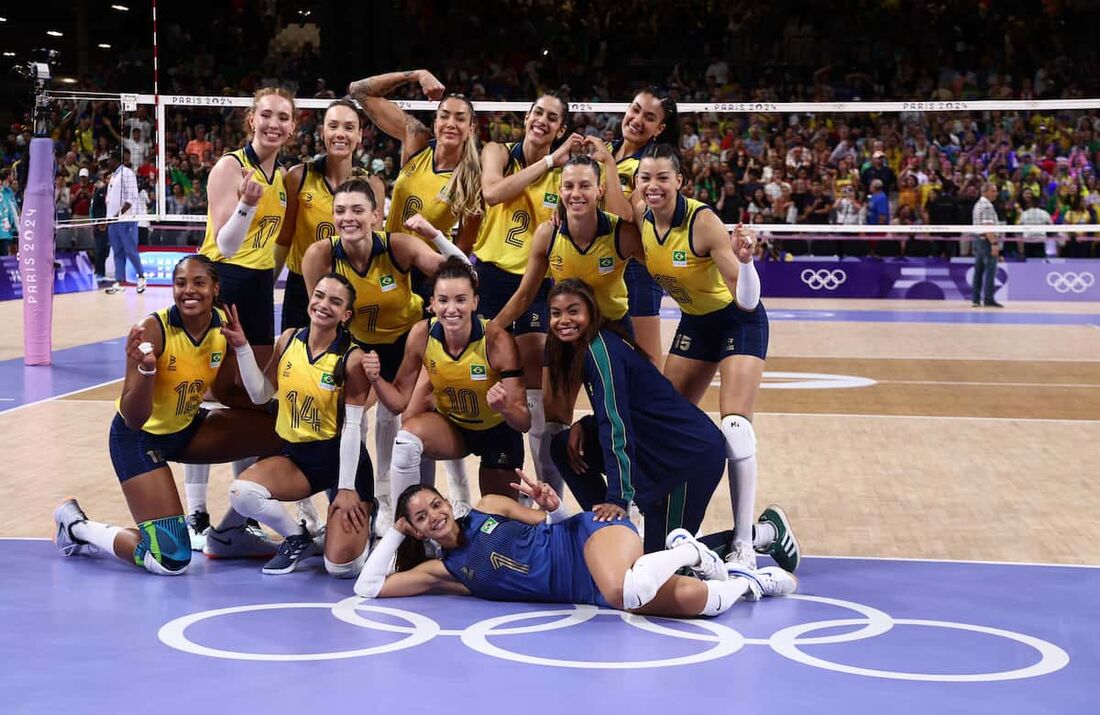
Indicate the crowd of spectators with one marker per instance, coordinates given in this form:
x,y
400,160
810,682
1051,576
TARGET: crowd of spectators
x,y
870,169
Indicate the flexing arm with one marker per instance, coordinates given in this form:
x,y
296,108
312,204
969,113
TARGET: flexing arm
x,y
389,117
433,235
136,403
396,395
509,396
711,239
293,183
533,274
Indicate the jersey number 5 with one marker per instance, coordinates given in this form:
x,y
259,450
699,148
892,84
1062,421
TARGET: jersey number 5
x,y
522,219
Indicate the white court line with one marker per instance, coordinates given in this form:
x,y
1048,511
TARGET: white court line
x,y
992,384
925,358
814,556
976,418
58,397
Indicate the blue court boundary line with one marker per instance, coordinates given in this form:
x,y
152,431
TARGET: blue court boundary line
x,y
813,556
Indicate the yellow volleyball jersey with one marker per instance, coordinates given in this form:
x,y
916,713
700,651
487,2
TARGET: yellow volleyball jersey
x,y
627,166
417,191
185,371
257,249
385,305
504,238
600,265
461,383
310,389
313,222
692,280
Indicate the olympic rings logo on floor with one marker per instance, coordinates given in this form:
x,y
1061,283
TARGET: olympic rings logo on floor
x,y
823,278
1070,282
721,640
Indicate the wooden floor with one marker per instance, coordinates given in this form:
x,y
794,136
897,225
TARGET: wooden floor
x,y
964,442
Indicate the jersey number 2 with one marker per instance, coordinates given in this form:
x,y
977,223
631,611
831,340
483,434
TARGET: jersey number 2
x,y
522,219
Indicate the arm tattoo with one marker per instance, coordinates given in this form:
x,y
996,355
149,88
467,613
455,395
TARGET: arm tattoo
x,y
414,126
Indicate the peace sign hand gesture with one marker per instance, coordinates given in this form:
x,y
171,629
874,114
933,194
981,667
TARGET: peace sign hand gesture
x,y
540,492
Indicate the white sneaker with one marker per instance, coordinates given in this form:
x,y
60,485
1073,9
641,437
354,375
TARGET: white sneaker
x,y
307,512
743,556
383,518
141,284
710,566
115,288
768,581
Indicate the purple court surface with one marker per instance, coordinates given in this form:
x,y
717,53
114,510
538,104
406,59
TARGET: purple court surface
x,y
862,636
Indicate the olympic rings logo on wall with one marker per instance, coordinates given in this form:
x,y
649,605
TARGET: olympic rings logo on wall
x,y
823,278
1070,282
721,640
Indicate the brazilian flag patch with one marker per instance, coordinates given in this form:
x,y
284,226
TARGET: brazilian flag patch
x,y
680,259
606,264
550,200
215,359
387,283
478,372
328,381
282,198
489,525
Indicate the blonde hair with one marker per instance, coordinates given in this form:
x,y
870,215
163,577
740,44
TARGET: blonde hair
x,y
463,192
263,92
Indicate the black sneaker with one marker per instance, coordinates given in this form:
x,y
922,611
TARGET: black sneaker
x,y
992,304
198,524
295,549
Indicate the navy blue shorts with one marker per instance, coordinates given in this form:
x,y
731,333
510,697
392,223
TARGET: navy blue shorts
x,y
389,354
320,463
497,286
642,292
252,291
422,284
718,335
499,447
135,452
572,577
295,302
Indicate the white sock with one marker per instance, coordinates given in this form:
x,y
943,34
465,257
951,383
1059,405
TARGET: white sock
x,y
538,426
254,501
721,595
651,571
195,478
232,518
763,534
405,467
741,462
458,485
550,473
101,536
386,425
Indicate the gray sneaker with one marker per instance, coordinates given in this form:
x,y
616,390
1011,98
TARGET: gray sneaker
x,y
295,549
247,541
65,515
767,581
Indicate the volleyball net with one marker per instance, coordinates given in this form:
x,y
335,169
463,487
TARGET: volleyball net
x,y
1048,147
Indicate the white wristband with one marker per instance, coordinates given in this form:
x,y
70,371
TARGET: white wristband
x,y
549,162
147,373
232,234
447,248
558,515
748,286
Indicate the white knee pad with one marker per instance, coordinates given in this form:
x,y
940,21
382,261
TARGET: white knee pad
x,y
639,587
248,498
407,451
350,569
740,437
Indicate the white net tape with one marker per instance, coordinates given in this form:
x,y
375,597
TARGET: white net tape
x,y
1019,232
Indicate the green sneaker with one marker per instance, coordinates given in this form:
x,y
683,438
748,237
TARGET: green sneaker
x,y
784,550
